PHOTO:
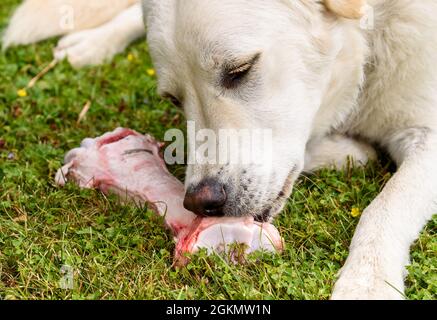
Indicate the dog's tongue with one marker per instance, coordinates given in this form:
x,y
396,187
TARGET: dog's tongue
x,y
129,164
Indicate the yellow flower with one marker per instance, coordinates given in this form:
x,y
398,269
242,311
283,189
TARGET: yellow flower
x,y
151,72
22,93
355,212
130,57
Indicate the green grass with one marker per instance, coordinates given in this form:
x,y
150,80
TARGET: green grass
x,y
122,252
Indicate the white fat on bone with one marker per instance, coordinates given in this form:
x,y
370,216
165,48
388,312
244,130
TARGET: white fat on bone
x,y
129,164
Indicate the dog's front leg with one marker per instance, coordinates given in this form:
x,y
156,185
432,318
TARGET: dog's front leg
x,y
379,251
95,46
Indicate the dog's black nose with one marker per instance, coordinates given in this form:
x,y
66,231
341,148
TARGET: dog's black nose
x,y
206,199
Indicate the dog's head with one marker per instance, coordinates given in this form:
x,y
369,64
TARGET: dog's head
x,y
246,65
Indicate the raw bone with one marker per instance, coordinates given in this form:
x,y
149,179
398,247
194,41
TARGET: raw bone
x,y
129,164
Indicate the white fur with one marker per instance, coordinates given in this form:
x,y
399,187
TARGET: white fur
x,y
95,31
95,46
319,77
320,80
330,151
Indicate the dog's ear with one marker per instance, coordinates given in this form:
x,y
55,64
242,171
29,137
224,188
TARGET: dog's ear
x,y
350,9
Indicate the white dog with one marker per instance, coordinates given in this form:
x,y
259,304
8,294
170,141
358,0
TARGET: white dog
x,y
308,70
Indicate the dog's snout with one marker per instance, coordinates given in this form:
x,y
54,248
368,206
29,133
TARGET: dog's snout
x,y
206,199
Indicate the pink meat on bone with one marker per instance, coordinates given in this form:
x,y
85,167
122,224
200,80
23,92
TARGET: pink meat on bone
x,y
129,164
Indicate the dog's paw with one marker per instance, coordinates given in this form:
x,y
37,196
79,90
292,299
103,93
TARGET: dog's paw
x,y
360,289
89,47
365,279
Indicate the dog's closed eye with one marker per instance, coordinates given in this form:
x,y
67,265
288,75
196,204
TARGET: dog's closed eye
x,y
234,76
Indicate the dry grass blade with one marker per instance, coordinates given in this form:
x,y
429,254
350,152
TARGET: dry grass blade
x,y
84,111
43,72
